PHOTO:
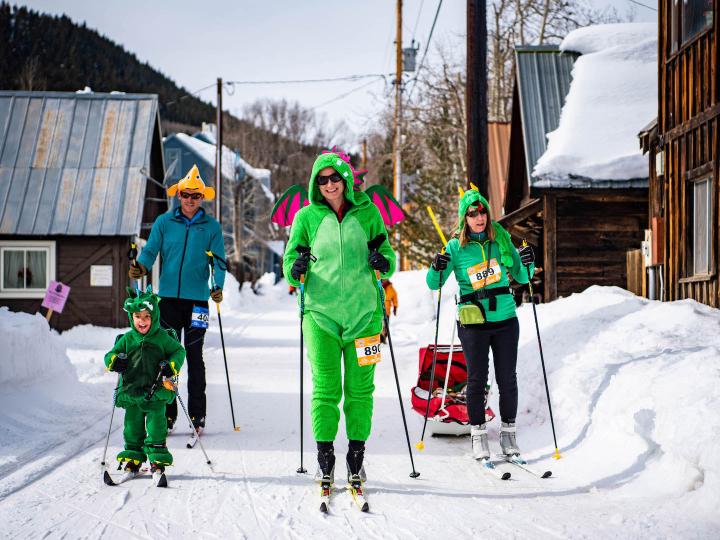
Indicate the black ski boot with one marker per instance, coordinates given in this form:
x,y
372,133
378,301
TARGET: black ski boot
x,y
356,473
198,422
325,474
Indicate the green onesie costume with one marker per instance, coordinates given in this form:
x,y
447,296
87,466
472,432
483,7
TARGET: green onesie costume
x,y
145,423
342,301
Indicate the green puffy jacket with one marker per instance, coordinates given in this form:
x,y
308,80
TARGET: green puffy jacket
x,y
478,252
145,352
341,293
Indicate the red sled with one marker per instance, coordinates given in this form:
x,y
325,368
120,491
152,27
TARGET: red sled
x,y
450,417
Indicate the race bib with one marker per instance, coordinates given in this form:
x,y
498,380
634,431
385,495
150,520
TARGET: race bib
x,y
200,317
483,274
368,350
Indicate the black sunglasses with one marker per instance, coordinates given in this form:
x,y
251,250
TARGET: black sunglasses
x,y
193,196
323,180
475,212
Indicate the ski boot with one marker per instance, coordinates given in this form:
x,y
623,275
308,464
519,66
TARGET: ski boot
x,y
508,444
170,424
158,474
325,474
198,422
479,438
356,473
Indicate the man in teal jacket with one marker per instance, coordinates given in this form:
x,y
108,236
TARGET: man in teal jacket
x,y
182,237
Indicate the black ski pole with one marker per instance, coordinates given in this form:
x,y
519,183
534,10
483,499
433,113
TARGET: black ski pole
x,y
304,252
421,443
542,358
158,380
112,414
192,425
373,245
211,262
132,256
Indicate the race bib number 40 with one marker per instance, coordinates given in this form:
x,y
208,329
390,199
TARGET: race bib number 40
x,y
200,317
484,274
368,350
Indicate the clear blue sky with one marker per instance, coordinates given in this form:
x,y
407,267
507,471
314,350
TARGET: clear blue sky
x,y
195,42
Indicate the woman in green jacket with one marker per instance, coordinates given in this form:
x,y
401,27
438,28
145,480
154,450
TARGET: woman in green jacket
x,y
481,255
328,245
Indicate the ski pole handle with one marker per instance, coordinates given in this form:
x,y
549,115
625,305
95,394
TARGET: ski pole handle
x,y
151,393
527,269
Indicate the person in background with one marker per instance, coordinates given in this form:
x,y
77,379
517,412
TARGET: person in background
x,y
182,237
391,304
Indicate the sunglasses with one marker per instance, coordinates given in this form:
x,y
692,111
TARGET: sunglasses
x,y
193,196
475,212
323,180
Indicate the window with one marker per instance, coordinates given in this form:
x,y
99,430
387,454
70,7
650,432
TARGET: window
x,y
26,268
701,219
697,15
688,18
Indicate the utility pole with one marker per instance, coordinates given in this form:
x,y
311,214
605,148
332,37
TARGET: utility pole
x,y
364,154
476,96
397,169
218,155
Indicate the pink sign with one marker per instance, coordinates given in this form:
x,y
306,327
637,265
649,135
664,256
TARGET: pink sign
x,y
56,296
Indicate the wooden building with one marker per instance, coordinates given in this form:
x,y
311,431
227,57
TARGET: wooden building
x,y
73,193
684,150
580,225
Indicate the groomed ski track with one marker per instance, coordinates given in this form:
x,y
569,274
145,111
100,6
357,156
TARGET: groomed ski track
x,y
254,492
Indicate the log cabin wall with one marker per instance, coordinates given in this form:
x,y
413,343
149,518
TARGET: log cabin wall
x,y
101,306
587,235
689,135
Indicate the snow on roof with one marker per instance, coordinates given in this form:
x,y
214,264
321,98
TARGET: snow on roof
x,y
613,94
231,160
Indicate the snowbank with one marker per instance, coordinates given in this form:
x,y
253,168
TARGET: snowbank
x,y
31,351
613,95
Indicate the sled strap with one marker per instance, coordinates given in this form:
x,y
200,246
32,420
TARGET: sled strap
x,y
491,294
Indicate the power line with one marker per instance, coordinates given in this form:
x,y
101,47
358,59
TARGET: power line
x,y
427,47
346,94
305,81
643,5
189,94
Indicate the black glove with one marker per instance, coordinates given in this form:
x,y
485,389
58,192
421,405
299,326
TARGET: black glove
x,y
440,262
300,266
167,370
526,255
378,262
120,363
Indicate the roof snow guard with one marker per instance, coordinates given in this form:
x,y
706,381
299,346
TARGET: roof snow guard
x,y
70,163
544,74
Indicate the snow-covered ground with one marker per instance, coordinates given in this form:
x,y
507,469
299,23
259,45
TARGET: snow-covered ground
x,y
635,388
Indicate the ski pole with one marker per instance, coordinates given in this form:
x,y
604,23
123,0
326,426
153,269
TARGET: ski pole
x,y
192,426
112,414
304,251
132,256
158,379
373,245
223,266
449,364
421,443
542,358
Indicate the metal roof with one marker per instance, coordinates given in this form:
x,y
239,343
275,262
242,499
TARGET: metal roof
x,y
544,74
70,163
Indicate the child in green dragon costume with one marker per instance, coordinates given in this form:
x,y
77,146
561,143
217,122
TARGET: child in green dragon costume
x,y
137,357
343,309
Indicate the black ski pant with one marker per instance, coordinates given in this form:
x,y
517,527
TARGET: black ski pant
x,y
176,313
477,340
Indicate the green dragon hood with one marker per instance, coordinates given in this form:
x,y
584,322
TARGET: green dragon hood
x,y
137,301
471,198
332,159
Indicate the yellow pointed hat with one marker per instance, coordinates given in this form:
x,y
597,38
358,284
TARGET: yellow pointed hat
x,y
192,183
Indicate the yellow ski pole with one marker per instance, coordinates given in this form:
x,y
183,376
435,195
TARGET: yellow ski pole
x,y
542,359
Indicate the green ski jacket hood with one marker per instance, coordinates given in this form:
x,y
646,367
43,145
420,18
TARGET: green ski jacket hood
x,y
471,198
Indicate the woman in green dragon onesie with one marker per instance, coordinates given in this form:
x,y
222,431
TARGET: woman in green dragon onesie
x,y
342,304
481,255
137,356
